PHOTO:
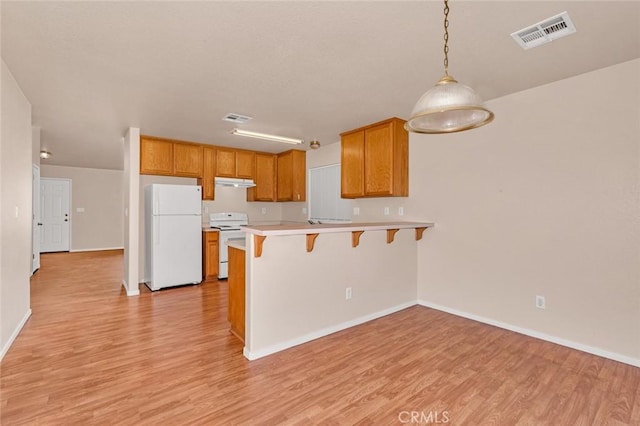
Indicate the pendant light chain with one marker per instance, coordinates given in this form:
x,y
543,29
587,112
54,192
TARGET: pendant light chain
x,y
446,37
449,106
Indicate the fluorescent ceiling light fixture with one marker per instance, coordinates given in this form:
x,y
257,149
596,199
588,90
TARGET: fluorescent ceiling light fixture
x,y
274,138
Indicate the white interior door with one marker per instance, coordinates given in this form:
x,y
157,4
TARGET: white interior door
x,y
55,214
35,219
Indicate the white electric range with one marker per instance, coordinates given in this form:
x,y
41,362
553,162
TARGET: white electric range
x,y
230,225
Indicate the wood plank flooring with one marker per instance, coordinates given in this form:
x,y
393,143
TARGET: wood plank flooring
x,y
90,355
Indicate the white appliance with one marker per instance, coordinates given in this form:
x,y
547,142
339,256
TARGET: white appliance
x,y
234,182
173,235
229,225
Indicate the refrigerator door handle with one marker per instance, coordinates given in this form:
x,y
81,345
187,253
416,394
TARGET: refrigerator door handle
x,y
156,231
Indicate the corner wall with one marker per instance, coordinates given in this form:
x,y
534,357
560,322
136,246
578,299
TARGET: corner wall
x,y
15,208
543,201
97,222
131,190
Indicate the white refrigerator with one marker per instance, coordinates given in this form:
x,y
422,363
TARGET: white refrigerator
x,y
173,235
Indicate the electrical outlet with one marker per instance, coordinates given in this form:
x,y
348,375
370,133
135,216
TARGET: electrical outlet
x,y
541,302
400,211
347,293
386,211
356,211
206,210
304,210
264,210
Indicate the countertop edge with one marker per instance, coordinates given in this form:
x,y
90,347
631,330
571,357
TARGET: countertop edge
x,y
302,229
237,245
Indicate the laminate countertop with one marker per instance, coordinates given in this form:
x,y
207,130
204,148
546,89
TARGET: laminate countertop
x,y
305,228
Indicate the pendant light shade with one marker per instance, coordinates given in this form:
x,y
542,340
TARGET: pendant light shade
x,y
448,106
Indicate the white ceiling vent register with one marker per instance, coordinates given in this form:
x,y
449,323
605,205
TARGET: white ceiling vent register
x,y
236,118
545,32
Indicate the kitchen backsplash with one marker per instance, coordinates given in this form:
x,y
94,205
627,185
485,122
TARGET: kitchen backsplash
x,y
228,199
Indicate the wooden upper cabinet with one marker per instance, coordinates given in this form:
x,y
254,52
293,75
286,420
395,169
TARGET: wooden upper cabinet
x,y
156,156
208,173
187,159
170,158
375,161
265,178
292,172
245,164
226,162
235,163
352,165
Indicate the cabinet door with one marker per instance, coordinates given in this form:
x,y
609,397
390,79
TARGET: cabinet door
x,y
156,157
187,159
236,282
208,173
299,181
226,163
210,261
285,176
352,165
265,178
245,164
378,160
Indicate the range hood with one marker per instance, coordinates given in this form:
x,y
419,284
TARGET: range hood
x,y
234,182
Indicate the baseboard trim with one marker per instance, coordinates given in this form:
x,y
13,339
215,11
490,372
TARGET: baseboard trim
x,y
538,335
96,249
14,335
253,355
135,292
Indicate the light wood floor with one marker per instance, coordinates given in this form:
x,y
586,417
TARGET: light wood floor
x,y
91,355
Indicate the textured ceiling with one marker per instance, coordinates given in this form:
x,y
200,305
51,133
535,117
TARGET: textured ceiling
x,y
301,69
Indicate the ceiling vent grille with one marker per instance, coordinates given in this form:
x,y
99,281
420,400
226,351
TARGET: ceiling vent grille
x,y
236,118
545,32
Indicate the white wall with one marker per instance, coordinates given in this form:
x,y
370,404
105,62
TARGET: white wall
x,y
35,145
544,201
130,185
100,193
293,296
229,199
15,208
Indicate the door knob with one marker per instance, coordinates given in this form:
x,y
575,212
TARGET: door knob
x,y
66,220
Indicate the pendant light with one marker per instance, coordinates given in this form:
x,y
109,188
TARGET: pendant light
x,y
448,106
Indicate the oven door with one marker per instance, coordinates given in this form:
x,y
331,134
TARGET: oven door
x,y
225,236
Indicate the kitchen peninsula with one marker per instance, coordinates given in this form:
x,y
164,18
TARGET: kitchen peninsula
x,y
306,281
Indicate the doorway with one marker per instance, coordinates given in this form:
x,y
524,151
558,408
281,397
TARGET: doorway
x,y
36,224
55,208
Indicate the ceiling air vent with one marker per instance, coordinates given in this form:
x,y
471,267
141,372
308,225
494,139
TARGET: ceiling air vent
x,y
544,32
236,118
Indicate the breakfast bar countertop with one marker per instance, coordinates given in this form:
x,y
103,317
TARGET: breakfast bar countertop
x,y
307,228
